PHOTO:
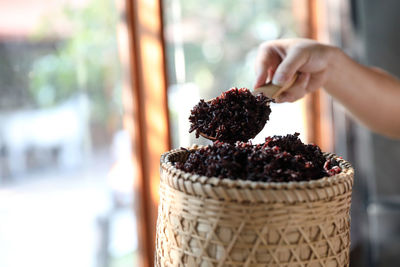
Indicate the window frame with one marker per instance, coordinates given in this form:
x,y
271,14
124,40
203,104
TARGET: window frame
x,y
146,110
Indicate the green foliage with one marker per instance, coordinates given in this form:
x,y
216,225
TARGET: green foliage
x,y
86,60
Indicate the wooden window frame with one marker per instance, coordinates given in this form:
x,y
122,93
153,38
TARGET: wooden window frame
x,y
145,109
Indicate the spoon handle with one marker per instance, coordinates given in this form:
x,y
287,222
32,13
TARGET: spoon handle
x,y
272,90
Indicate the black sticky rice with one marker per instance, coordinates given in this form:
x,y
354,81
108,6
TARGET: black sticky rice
x,y
236,115
279,159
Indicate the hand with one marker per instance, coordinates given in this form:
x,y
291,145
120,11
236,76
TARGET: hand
x,y
279,60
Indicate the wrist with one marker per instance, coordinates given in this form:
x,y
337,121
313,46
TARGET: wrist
x,y
336,66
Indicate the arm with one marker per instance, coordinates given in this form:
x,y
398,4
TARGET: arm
x,y
371,95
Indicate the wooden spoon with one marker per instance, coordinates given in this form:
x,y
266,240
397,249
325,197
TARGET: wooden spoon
x,y
269,89
272,91
208,137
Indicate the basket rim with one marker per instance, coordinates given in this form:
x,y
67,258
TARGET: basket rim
x,y
167,165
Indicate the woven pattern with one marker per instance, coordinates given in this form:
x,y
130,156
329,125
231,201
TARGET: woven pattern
x,y
219,222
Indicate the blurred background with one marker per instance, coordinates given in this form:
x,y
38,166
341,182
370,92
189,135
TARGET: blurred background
x,y
92,92
66,177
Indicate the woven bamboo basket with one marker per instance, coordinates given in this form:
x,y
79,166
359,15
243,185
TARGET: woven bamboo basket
x,y
206,221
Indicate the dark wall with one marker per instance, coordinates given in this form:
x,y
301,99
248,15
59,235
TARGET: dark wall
x,y
381,37
369,31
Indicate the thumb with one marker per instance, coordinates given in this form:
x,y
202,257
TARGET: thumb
x,y
289,66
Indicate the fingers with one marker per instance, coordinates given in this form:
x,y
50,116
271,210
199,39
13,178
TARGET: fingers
x,y
282,59
267,61
294,60
297,90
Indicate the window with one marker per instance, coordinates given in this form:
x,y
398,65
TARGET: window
x,y
66,175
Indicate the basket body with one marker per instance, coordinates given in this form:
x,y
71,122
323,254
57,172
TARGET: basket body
x,y
220,222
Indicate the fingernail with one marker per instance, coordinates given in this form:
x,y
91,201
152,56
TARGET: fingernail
x,y
278,79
